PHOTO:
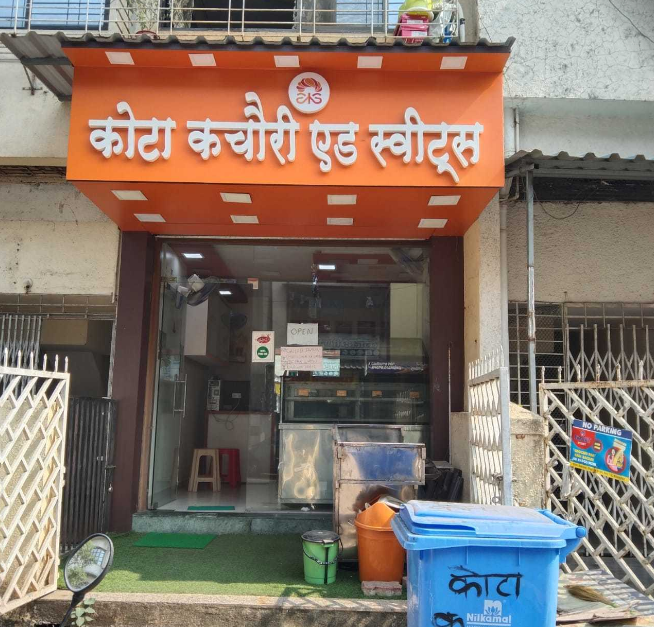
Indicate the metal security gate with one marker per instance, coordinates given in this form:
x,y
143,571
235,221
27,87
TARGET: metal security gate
x,y
618,516
490,431
89,469
33,407
20,334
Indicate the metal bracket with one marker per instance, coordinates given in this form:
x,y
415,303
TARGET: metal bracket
x,y
31,80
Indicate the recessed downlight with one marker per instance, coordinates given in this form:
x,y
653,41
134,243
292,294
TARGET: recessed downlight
x,y
128,194
193,255
149,217
341,199
453,63
327,266
202,60
245,219
119,58
372,63
441,201
340,221
245,199
287,60
432,223
225,292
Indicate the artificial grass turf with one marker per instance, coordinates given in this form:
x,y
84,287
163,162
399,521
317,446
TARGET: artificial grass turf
x,y
267,565
175,540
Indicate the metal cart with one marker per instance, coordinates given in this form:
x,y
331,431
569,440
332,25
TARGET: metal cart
x,y
371,461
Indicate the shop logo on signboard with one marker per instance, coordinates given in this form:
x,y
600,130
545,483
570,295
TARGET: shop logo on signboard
x,y
309,92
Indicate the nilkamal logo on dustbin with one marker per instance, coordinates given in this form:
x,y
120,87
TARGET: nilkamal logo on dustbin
x,y
492,615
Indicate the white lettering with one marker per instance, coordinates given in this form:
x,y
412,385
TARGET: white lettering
x,y
345,151
107,141
242,140
400,142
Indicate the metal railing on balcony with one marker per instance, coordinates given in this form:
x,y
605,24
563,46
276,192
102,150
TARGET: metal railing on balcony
x,y
301,19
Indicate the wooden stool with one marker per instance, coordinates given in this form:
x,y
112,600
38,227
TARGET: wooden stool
x,y
213,478
233,474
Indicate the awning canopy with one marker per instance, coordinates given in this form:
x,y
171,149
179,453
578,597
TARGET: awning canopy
x,y
590,166
42,53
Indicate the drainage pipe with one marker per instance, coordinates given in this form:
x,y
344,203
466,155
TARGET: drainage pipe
x,y
504,284
531,299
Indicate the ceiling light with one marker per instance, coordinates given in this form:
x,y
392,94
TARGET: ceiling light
x,y
149,217
128,194
340,221
224,292
326,266
287,60
120,58
245,199
438,201
341,199
453,63
369,62
432,223
245,219
202,60
193,255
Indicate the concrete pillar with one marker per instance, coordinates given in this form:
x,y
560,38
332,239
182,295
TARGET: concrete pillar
x,y
460,448
528,433
482,284
130,370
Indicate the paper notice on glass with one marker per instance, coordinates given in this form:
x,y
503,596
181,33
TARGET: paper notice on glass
x,y
301,358
263,346
304,334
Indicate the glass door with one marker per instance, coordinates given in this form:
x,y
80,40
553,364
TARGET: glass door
x,y
171,399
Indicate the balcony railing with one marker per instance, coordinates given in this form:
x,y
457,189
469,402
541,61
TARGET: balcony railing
x,y
300,19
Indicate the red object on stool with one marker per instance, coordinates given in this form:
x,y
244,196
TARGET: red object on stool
x,y
233,474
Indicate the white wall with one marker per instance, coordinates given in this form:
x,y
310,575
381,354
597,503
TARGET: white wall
x,y
54,236
602,253
482,290
33,129
575,48
577,126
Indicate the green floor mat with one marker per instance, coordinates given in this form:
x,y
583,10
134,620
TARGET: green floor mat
x,y
211,508
175,540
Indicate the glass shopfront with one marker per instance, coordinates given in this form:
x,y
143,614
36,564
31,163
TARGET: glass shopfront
x,y
263,348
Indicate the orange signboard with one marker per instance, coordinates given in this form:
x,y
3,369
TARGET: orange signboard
x,y
287,127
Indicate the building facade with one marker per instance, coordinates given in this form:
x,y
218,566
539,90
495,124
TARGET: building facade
x,y
399,309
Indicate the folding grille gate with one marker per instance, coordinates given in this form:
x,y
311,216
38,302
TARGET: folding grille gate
x,y
618,516
490,431
20,334
33,407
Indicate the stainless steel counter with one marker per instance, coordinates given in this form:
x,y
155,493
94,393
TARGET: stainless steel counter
x,y
305,463
371,461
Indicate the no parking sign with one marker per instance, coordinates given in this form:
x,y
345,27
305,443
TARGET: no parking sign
x,y
601,449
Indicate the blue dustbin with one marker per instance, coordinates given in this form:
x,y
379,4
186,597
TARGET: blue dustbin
x,y
482,566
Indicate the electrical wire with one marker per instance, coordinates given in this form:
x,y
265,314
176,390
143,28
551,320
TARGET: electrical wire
x,y
586,199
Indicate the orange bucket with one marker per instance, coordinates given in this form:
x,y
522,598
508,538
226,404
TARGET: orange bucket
x,y
381,558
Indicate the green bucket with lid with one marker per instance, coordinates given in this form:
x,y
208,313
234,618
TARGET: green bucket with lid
x,y
320,550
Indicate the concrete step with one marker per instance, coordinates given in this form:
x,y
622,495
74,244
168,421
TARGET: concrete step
x,y
163,521
169,610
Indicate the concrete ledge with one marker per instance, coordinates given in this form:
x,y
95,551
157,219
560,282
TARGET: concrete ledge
x,y
194,610
162,521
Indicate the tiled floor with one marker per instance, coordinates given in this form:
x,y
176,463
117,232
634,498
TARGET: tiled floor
x,y
252,497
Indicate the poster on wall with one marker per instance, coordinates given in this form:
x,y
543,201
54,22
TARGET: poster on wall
x,y
263,347
601,449
302,358
302,334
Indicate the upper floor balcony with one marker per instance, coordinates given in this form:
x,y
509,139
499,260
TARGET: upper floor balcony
x,y
387,20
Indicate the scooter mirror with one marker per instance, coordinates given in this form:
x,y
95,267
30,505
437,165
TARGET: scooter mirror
x,y
89,563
